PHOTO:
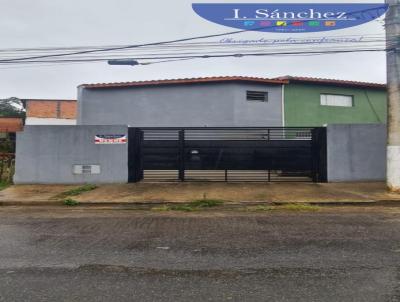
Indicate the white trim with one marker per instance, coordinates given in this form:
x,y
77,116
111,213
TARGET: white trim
x,y
49,121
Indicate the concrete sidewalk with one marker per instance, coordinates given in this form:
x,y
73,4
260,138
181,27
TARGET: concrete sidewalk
x,y
332,193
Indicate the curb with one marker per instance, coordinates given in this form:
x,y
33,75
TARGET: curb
x,y
39,203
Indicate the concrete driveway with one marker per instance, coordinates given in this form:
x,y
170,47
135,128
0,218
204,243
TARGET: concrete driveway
x,y
335,254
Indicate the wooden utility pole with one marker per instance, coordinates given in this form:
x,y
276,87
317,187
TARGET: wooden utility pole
x,y
393,80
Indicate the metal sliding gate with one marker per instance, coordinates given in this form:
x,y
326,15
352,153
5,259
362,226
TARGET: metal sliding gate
x,y
227,154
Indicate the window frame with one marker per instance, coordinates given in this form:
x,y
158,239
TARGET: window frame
x,y
336,94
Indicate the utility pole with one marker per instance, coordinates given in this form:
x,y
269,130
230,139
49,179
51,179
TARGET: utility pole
x,y
393,81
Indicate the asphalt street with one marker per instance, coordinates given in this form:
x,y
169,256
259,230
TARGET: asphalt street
x,y
80,254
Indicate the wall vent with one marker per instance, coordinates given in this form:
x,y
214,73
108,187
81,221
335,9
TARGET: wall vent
x,y
86,169
260,96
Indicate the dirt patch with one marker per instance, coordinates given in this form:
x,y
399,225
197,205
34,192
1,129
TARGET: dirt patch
x,y
33,192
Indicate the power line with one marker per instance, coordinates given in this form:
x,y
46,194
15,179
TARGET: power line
x,y
153,43
238,55
88,47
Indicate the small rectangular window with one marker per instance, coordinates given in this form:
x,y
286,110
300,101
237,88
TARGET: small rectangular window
x,y
260,96
337,100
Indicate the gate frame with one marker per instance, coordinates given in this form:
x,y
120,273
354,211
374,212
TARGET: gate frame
x,y
136,136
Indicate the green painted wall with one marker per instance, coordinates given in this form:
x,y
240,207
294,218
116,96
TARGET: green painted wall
x,y
302,106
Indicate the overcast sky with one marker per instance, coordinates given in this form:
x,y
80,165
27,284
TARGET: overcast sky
x,y
48,23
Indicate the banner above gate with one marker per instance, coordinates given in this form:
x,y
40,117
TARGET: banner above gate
x,y
290,17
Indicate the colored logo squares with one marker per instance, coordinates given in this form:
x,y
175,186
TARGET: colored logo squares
x,y
249,23
281,23
297,23
330,23
265,23
314,23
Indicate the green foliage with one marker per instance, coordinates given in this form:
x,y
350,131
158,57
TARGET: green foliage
x,y
77,191
299,207
7,167
195,205
80,190
296,207
206,203
71,202
260,208
7,145
161,209
12,107
4,185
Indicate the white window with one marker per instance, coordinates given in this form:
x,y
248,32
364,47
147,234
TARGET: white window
x,y
337,100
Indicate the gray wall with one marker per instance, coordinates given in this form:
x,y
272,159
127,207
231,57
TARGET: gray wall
x,y
214,104
46,154
356,152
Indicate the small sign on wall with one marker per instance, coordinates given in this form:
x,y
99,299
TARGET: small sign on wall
x,y
110,139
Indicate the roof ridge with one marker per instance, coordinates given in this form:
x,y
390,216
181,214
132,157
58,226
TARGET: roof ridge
x,y
183,81
326,79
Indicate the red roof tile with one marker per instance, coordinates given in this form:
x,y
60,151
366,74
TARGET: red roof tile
x,y
333,82
186,81
278,80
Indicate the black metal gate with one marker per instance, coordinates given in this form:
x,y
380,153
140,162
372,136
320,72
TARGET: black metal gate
x,y
227,154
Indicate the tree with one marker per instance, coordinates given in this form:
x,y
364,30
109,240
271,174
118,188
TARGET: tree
x,y
12,107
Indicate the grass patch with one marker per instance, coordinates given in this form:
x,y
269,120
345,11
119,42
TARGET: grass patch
x,y
260,208
4,185
206,203
195,205
161,209
300,207
70,202
77,191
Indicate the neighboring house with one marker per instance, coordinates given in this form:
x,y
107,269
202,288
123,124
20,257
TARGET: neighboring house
x,y
50,112
313,102
232,101
9,126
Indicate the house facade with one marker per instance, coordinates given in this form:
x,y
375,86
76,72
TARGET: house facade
x,y
111,144
313,102
233,102
206,102
9,126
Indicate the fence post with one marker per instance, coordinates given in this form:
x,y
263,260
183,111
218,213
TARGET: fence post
x,y
319,154
135,166
182,155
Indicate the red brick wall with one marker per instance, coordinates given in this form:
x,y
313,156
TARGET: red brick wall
x,y
51,109
11,124
68,109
